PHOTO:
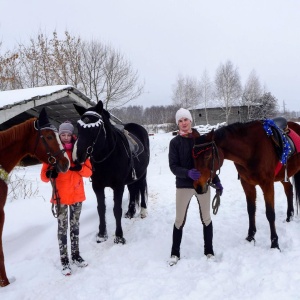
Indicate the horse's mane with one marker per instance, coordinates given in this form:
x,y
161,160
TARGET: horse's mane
x,y
15,133
234,128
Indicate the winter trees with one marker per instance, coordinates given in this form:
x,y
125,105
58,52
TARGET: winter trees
x,y
227,87
99,71
186,92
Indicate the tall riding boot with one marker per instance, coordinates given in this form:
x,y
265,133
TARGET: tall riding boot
x,y
208,239
177,235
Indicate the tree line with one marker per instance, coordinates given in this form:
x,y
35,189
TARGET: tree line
x,y
103,73
96,69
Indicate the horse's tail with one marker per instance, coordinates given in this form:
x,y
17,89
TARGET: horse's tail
x,y
139,190
296,179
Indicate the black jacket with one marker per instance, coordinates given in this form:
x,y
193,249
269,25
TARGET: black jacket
x,y
181,160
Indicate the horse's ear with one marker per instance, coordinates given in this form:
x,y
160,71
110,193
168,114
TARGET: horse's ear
x,y
99,107
43,118
80,109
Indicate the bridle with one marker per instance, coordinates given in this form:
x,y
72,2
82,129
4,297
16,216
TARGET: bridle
x,y
51,160
100,124
51,156
215,155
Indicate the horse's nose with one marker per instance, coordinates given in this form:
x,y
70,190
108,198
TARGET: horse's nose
x,y
200,189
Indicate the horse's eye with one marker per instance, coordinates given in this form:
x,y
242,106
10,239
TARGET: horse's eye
x,y
86,120
49,137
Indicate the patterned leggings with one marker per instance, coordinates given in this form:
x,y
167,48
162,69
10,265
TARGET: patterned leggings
x,y
75,210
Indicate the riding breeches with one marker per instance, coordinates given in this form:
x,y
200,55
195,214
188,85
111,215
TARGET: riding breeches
x,y
75,210
183,198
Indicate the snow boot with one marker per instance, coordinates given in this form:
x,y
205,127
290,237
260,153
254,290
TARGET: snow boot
x,y
208,240
175,251
66,269
79,261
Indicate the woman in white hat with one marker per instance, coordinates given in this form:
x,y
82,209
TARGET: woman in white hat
x,y
182,166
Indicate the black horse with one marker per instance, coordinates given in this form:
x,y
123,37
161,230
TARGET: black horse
x,y
119,156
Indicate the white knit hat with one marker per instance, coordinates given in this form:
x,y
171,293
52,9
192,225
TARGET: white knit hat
x,y
183,113
66,127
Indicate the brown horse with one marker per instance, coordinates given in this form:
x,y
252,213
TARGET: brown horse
x,y
253,153
35,137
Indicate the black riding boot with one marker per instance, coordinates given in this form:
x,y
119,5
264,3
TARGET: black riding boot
x,y
177,235
208,239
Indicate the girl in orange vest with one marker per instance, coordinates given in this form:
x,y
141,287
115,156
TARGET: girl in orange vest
x,y
70,190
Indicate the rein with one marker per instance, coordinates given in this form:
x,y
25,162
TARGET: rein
x,y
216,200
91,148
55,196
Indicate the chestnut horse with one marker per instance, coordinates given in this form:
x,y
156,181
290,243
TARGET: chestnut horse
x,y
253,153
36,137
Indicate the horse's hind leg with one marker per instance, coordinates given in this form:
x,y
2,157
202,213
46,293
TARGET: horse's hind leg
x,y
144,197
3,194
250,193
288,189
137,190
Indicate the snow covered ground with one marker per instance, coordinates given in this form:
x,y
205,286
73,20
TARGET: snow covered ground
x,y
139,269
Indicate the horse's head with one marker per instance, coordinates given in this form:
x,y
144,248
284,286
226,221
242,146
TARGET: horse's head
x,y
91,130
48,147
207,160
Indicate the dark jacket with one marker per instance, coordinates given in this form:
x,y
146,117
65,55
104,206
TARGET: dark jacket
x,y
181,160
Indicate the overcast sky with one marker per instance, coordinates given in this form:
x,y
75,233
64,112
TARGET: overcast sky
x,y
164,38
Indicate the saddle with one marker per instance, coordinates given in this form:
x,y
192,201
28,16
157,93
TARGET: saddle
x,y
134,146
286,141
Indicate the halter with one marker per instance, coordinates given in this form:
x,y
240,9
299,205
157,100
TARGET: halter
x,y
51,157
215,154
100,124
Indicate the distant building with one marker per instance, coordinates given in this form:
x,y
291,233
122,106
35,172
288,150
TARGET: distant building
x,y
216,115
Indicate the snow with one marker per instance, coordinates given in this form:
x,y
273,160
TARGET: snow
x,y
139,269
14,96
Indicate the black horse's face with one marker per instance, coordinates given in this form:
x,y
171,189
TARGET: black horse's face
x,y
90,130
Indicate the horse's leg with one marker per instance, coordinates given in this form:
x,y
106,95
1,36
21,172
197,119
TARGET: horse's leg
x,y
102,234
137,190
288,189
134,196
250,193
3,194
268,190
118,196
144,196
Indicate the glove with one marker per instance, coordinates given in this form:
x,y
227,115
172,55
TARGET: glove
x,y
77,167
219,187
51,173
194,174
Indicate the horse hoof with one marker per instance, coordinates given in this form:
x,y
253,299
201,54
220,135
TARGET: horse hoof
x,y
250,239
143,213
129,215
100,238
275,245
119,240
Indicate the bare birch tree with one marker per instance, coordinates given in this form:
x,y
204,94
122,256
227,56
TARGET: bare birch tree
x,y
251,94
228,87
186,92
207,91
